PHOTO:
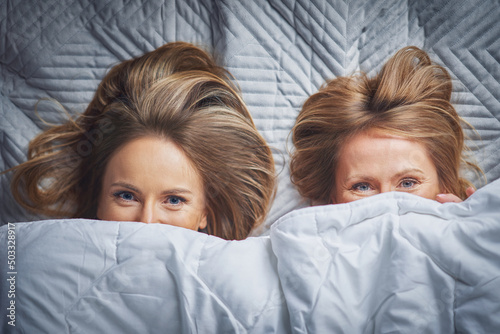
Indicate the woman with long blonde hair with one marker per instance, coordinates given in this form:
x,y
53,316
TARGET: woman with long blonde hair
x,y
166,139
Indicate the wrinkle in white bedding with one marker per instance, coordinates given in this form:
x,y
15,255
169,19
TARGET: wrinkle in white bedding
x,y
390,263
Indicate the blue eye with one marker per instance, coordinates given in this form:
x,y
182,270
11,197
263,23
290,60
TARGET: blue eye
x,y
175,200
124,195
408,183
361,187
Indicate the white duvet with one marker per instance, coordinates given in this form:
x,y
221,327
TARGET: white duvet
x,y
393,263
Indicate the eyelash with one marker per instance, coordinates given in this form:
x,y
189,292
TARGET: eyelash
x,y
119,195
409,179
180,199
357,185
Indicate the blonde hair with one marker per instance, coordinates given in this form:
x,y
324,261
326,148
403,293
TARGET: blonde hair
x,y
176,92
410,97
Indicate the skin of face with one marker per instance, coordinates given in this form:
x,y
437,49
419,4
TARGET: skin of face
x,y
151,180
375,162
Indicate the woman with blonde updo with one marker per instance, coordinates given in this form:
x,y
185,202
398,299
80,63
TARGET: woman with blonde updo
x,y
398,131
166,139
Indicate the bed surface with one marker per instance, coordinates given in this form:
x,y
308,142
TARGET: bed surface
x,y
279,51
395,262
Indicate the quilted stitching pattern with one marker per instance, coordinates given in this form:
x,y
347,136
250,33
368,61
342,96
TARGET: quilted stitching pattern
x,y
279,51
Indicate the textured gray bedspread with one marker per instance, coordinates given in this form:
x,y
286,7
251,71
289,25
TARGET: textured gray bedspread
x,y
279,51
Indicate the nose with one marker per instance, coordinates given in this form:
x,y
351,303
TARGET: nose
x,y
149,213
385,188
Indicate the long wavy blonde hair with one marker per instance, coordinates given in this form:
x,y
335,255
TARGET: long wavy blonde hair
x,y
410,97
176,92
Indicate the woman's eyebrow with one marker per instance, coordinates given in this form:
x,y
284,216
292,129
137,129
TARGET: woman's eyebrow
x,y
126,185
409,171
177,191
359,177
